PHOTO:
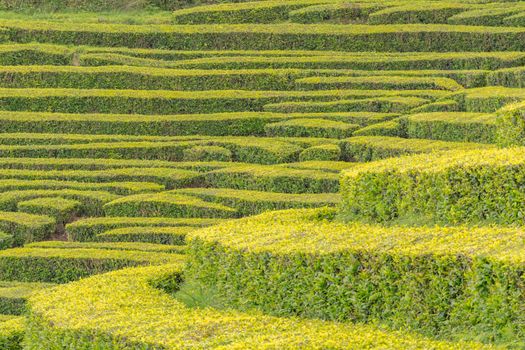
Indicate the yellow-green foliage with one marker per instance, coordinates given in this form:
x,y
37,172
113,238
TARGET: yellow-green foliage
x,y
301,262
13,295
100,320
59,208
380,82
173,235
167,204
273,179
12,331
26,227
367,148
457,186
255,202
59,265
452,126
88,229
311,128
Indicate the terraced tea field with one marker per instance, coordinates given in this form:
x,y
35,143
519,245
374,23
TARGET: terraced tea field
x,y
292,174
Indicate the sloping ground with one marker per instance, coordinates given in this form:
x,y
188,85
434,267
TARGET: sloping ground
x,y
138,139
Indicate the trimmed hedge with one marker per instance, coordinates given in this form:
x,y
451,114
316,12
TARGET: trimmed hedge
x,y
419,12
6,240
300,262
365,61
249,12
459,126
61,209
254,202
400,37
380,82
88,229
93,317
119,188
13,296
119,246
454,187
327,166
58,265
377,104
173,102
91,201
389,128
321,153
235,124
311,128
207,154
26,227
510,125
273,179
244,149
167,204
171,235
335,12
12,332
150,78
368,148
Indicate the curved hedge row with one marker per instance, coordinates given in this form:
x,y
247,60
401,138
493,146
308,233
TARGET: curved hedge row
x,y
452,187
100,321
300,262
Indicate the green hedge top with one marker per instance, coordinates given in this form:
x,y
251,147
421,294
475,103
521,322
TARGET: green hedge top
x,y
307,231
452,187
79,308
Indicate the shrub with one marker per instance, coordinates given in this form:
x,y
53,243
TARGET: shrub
x,y
321,153
207,154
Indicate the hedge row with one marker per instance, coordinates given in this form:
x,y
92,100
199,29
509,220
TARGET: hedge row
x,y
167,204
367,148
310,128
454,62
12,332
234,124
90,228
389,128
169,177
419,12
510,125
326,152
273,179
119,188
255,202
78,309
173,102
256,150
91,201
61,209
326,166
151,78
338,12
488,99
379,82
455,126
115,246
454,187
153,151
249,12
377,104
171,235
26,227
401,37
300,262
57,265
13,296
